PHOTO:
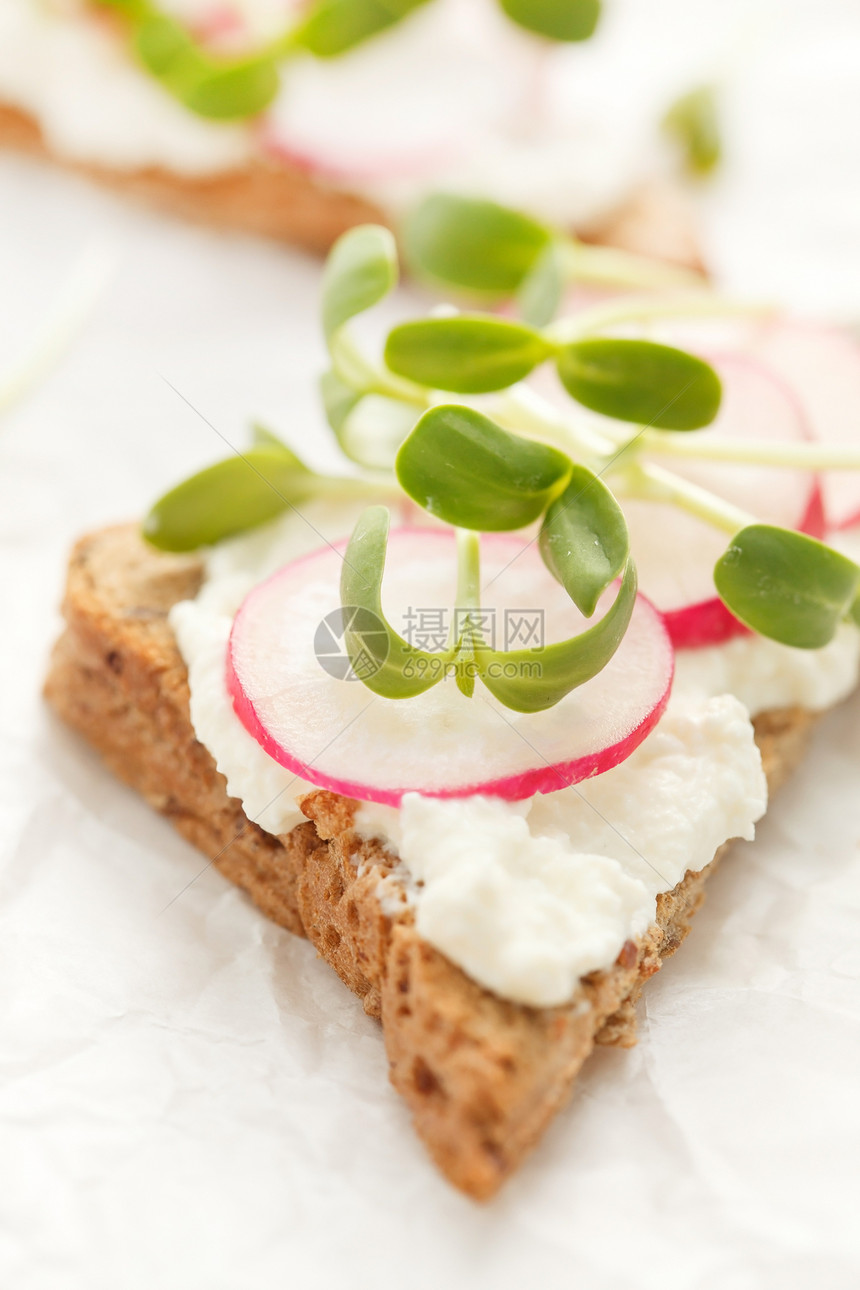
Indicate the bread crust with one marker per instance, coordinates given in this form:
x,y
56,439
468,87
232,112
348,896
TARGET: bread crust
x,y
482,1075
283,202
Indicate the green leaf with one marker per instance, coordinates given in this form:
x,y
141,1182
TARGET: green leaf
x,y
638,380
228,498
563,666
162,44
219,89
231,92
464,469
584,540
541,290
694,122
475,245
786,585
398,671
262,437
360,271
334,26
469,354
556,19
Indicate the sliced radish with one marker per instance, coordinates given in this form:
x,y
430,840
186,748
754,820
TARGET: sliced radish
x,y
823,367
338,735
676,552
820,364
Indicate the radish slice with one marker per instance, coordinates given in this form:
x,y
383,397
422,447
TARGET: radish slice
x,y
820,364
823,366
676,552
338,735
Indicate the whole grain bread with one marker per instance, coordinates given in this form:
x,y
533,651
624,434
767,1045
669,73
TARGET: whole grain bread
x,y
282,201
483,1076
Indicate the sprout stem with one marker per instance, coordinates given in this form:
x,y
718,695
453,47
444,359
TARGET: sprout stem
x,y
751,452
692,304
607,266
658,485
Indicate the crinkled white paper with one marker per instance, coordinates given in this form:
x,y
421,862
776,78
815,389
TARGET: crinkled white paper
x,y
189,1100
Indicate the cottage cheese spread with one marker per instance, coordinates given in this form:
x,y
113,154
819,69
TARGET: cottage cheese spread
x,y
528,896
454,97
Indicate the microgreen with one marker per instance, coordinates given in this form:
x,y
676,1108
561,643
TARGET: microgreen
x,y
583,538
693,121
359,272
787,586
332,27
223,88
638,380
468,354
401,671
568,20
491,253
515,460
462,468
239,493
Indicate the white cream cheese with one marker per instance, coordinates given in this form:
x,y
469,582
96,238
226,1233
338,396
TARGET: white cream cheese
x,y
764,674
528,896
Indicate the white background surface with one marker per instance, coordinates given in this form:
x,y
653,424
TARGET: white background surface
x,y
187,1097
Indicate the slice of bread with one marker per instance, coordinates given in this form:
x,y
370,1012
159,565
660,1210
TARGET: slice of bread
x,y
292,205
483,1076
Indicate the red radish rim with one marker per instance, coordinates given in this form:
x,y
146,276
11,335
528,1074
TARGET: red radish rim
x,y
828,330
710,622
541,779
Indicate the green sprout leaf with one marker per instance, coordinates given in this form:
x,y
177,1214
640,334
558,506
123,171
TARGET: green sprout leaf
x,y
566,20
228,498
474,245
332,27
232,92
469,354
464,469
220,89
694,122
584,540
786,585
507,674
638,380
398,671
541,290
360,271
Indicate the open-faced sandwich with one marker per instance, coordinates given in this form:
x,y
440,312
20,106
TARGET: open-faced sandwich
x,y
300,120
479,719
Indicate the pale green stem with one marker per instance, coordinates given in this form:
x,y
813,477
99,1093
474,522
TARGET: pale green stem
x,y
658,485
524,412
357,371
634,309
607,266
752,452
347,487
468,570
